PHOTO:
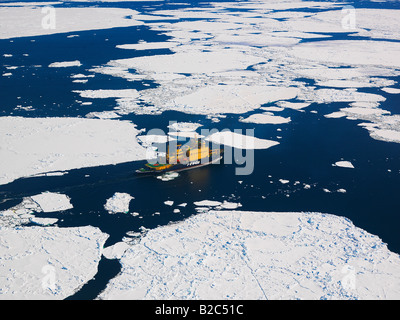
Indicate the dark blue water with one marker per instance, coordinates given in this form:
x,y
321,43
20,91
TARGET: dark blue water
x,y
309,145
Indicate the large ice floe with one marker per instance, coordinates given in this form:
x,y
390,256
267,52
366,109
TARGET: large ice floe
x,y
31,146
257,255
118,203
48,262
31,20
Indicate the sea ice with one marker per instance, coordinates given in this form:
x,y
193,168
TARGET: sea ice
x,y
262,118
240,141
71,143
344,164
257,255
65,64
26,21
168,176
391,90
207,203
115,251
48,262
51,202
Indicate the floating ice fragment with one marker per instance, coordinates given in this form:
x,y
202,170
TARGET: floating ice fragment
x,y
115,251
168,176
118,203
207,203
64,64
344,164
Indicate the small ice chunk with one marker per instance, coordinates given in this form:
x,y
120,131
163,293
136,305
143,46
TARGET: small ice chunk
x,y
169,203
283,181
230,205
64,64
118,203
344,164
207,203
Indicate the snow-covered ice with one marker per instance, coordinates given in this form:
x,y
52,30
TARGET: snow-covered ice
x,y
51,202
257,255
263,118
207,203
240,141
168,176
26,21
71,143
65,64
344,164
48,262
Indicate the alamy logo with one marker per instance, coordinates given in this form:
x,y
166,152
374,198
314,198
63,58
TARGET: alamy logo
x,y
349,18
49,20
49,280
349,279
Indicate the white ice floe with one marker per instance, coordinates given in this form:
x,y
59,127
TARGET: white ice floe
x,y
207,203
115,251
385,134
190,62
230,205
20,214
51,202
149,139
118,203
262,118
27,21
148,45
185,134
101,93
168,203
48,262
257,255
364,111
293,105
283,181
337,95
65,64
350,52
337,114
344,164
391,90
230,98
240,141
70,143
168,176
184,126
